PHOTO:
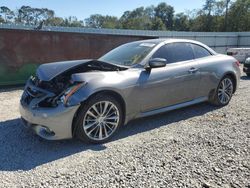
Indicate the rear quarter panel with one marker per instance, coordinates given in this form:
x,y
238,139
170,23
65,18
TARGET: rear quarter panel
x,y
213,69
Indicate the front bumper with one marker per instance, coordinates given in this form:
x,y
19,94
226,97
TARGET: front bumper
x,y
49,123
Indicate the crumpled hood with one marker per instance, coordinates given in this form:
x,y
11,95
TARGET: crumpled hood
x,y
48,71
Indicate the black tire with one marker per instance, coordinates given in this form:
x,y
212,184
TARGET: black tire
x,y
80,132
216,100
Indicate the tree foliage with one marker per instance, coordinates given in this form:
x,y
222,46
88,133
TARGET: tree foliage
x,y
32,16
6,15
240,11
99,21
181,22
215,15
166,13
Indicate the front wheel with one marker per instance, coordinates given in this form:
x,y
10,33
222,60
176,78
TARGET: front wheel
x,y
224,92
99,119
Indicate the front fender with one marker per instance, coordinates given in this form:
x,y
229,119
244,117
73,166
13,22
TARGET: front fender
x,y
87,91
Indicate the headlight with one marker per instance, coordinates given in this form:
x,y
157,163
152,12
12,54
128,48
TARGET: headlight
x,y
70,91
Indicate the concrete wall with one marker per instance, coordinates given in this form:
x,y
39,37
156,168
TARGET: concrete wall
x,y
22,48
21,51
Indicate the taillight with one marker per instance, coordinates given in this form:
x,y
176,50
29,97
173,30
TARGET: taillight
x,y
237,63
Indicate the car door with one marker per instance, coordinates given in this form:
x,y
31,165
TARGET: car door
x,y
176,83
205,66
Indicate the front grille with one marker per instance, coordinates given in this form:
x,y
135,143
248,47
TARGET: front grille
x,y
31,92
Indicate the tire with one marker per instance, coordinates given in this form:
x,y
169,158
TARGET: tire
x,y
99,119
224,93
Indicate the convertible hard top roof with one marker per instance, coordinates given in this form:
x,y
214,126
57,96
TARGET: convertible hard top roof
x,y
171,40
168,40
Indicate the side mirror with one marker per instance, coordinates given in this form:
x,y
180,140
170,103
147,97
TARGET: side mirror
x,y
157,63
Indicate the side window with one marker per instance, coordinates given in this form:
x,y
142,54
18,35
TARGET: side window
x,y
200,52
175,52
162,53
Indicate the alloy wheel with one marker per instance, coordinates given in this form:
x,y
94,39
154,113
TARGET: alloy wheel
x,y
225,90
101,120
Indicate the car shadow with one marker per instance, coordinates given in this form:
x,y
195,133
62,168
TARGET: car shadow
x,y
22,150
164,119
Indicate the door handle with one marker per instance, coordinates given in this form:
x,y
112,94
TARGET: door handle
x,y
193,70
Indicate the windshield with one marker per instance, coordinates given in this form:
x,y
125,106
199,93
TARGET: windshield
x,y
128,54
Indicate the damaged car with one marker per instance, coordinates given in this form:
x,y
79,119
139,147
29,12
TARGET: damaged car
x,y
91,99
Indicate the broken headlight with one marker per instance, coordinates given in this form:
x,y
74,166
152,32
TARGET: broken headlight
x,y
70,91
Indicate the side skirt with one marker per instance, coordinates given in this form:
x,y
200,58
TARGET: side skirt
x,y
174,107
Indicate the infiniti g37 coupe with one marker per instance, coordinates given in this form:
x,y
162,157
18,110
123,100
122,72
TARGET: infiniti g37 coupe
x,y
91,99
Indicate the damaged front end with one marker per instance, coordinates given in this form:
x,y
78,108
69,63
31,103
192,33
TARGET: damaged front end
x,y
39,94
43,94
53,83
43,112
45,106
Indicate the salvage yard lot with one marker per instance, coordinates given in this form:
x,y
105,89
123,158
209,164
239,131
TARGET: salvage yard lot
x,y
198,146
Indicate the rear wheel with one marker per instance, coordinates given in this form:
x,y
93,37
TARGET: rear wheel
x,y
99,119
224,92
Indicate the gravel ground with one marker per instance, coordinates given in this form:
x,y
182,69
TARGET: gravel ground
x,y
198,146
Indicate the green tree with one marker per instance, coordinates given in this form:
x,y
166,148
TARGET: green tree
x,y
143,19
215,15
6,14
239,16
33,16
208,8
99,21
55,21
1,19
25,15
150,11
196,23
218,17
72,21
139,18
94,21
226,4
166,13
111,22
157,24
181,22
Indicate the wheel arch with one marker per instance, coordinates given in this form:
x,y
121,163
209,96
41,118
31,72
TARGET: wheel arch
x,y
230,74
234,78
115,94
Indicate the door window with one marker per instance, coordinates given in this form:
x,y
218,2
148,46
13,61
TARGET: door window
x,y
199,51
175,52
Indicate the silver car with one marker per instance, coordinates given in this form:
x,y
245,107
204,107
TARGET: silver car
x,y
92,99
